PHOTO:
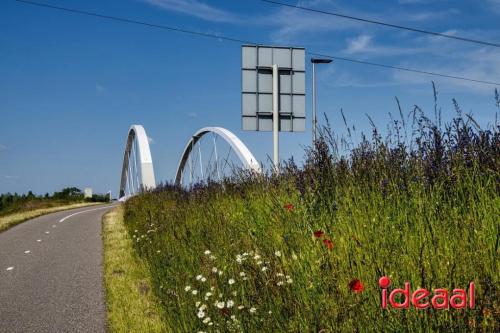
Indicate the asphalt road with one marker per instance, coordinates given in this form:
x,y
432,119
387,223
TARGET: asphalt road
x,y
51,274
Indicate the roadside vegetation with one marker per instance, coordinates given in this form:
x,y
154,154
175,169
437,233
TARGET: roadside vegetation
x,y
15,203
131,305
303,251
16,208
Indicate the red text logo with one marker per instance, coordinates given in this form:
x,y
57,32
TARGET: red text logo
x,y
422,298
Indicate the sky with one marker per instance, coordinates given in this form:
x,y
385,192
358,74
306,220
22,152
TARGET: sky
x,y
71,85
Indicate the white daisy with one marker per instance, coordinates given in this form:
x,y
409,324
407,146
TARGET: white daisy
x,y
219,305
277,254
230,303
188,288
231,281
208,252
253,310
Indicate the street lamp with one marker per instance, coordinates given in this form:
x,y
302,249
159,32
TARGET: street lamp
x,y
314,121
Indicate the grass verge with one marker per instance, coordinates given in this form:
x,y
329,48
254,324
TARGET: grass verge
x,y
131,307
303,251
8,221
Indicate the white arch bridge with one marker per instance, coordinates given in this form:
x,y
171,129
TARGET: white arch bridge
x,y
211,154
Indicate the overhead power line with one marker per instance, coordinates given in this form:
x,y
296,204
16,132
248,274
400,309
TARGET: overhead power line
x,y
238,40
386,24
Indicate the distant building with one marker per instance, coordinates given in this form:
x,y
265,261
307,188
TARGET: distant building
x,y
87,192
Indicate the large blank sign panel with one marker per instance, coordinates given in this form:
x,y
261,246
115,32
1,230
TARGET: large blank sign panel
x,y
257,88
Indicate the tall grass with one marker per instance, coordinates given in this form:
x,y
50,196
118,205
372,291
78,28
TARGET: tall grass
x,y
421,205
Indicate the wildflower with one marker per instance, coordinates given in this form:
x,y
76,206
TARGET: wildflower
x,y
201,314
294,256
242,274
231,281
356,286
158,251
264,269
235,293
233,318
270,312
212,257
328,243
202,307
208,294
277,254
280,274
197,304
241,307
289,280
220,273
188,288
219,305
289,207
207,252
194,292
259,262
253,310
214,270
206,320
212,288
203,279
318,234
230,303
199,277
256,257
280,283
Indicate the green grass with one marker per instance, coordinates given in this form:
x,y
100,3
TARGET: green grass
x,y
130,305
428,215
10,220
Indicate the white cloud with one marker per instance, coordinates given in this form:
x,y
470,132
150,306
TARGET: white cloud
x,y
358,44
195,8
192,115
11,177
485,66
494,5
3,147
364,45
99,88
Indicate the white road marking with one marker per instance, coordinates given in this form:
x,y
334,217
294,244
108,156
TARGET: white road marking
x,y
47,232
10,268
53,226
83,211
38,240
27,251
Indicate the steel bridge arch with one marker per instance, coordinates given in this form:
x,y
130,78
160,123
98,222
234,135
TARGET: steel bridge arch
x,y
144,176
241,150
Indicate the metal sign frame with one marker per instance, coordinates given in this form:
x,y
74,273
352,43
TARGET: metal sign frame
x,y
257,88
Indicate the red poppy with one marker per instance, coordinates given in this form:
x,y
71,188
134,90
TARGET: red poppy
x,y
318,234
328,243
289,207
356,286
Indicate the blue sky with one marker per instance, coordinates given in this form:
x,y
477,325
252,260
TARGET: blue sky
x,y
70,85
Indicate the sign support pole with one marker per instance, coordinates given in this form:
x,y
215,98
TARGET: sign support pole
x,y
314,104
276,118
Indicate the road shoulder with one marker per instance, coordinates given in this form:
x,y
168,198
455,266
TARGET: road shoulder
x,y
131,305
